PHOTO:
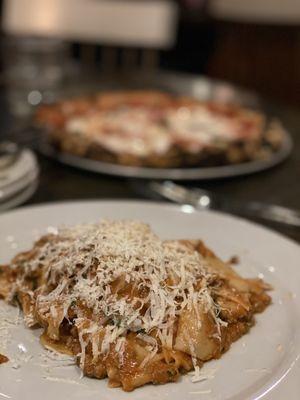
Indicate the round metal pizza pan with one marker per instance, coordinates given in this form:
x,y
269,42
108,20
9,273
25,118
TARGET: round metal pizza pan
x,y
199,87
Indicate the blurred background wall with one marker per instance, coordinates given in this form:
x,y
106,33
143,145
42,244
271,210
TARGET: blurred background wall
x,y
255,43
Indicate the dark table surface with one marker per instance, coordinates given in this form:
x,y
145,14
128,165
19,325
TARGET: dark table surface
x,y
279,185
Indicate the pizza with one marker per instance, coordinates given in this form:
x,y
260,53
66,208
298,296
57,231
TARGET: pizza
x,y
130,306
158,130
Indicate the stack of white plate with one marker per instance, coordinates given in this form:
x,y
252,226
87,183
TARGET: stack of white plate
x,y
18,179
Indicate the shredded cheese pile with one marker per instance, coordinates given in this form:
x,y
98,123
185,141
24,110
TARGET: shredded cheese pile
x,y
129,278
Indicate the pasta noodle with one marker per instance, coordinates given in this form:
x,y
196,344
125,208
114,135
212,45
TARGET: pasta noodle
x,y
128,305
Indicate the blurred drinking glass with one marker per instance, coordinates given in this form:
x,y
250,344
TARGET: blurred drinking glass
x,y
34,69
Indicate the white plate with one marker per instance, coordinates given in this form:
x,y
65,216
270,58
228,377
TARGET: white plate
x,y
22,196
19,175
262,364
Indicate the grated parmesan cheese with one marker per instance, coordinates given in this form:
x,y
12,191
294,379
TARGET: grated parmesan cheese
x,y
131,280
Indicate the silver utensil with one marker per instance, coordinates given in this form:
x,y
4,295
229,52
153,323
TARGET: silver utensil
x,y
203,200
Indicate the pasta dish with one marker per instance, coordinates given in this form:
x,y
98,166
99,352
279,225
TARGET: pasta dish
x,y
128,305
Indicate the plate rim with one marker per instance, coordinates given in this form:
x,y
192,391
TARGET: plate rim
x,y
33,164
177,207
20,197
